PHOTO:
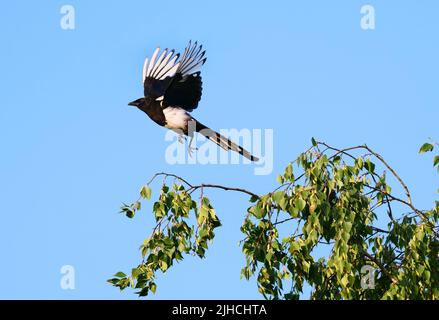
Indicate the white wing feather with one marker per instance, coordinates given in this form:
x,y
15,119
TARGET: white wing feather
x,y
158,62
192,60
169,70
167,65
145,66
152,61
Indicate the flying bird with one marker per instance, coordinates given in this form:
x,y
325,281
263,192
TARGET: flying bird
x,y
172,89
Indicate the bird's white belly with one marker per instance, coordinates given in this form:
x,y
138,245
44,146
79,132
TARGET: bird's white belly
x,y
176,118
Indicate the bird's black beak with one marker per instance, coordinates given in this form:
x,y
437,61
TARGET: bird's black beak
x,y
137,102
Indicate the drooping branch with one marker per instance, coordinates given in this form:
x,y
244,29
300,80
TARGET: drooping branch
x,y
165,174
378,156
192,187
409,202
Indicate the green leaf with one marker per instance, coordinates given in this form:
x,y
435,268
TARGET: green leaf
x,y
436,161
278,196
305,266
120,274
359,162
205,202
300,204
427,275
159,210
113,281
212,214
259,212
145,192
288,171
280,179
135,272
254,199
130,214
314,142
143,292
163,265
344,281
426,147
370,166
165,189
136,206
294,246
204,213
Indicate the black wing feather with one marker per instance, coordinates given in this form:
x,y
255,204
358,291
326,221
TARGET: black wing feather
x,y
184,93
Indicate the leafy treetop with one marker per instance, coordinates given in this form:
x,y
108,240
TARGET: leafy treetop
x,y
338,205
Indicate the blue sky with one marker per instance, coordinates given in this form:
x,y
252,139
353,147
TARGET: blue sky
x,y
72,151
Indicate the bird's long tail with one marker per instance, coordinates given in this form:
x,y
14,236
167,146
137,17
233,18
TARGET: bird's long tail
x,y
222,141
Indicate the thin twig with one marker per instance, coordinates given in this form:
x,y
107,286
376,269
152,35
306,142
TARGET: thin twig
x,y
168,175
204,185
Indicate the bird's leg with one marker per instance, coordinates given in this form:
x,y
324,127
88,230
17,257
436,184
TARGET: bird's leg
x,y
191,149
181,138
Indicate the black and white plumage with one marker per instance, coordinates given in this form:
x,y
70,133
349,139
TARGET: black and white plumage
x,y
172,89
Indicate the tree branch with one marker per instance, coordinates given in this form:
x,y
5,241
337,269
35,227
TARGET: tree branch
x,y
217,186
378,156
203,185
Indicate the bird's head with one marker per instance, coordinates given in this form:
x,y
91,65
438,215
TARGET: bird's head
x,y
137,103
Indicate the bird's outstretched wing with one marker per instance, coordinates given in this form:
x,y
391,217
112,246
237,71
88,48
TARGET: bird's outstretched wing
x,y
158,72
186,88
175,83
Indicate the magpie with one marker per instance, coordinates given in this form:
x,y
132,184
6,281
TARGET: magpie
x,y
172,89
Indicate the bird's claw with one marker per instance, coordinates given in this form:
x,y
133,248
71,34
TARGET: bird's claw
x,y
181,138
190,150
